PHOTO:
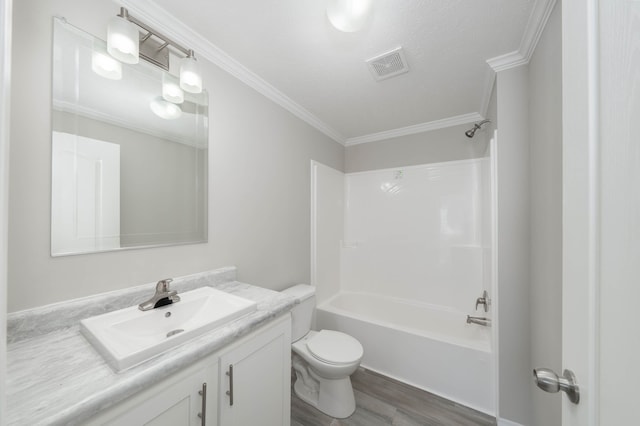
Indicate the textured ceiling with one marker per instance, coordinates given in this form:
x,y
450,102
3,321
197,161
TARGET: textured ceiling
x,y
292,46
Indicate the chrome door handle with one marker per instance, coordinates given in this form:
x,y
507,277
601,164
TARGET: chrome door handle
x,y
548,381
230,391
203,413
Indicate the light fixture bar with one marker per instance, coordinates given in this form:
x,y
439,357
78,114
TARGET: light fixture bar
x,y
151,50
125,43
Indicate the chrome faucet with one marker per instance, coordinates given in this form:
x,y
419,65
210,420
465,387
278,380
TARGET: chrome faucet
x,y
163,296
479,320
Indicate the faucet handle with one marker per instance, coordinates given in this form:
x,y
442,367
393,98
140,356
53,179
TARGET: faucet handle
x,y
163,285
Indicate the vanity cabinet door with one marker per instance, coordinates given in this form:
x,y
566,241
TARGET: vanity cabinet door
x,y
174,401
255,379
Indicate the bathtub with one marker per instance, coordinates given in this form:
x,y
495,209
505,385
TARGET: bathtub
x,y
426,346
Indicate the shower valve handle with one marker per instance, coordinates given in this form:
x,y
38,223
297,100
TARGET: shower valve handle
x,y
484,300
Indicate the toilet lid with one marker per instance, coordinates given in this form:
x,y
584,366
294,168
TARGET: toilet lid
x,y
334,347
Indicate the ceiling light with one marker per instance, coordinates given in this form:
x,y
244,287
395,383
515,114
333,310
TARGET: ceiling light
x,y
349,15
105,65
122,39
171,90
190,75
164,109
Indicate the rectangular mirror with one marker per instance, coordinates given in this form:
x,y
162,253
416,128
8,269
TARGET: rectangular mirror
x,y
129,169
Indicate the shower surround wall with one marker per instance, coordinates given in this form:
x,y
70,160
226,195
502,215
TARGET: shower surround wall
x,y
415,253
415,233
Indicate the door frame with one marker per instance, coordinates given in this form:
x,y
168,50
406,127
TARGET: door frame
x,y
6,10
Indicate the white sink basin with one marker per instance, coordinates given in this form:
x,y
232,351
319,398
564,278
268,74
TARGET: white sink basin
x,y
130,336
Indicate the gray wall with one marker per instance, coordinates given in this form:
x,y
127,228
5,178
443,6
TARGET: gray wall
x,y
259,183
430,147
545,293
514,343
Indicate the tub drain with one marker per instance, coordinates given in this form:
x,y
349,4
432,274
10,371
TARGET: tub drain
x,y
174,332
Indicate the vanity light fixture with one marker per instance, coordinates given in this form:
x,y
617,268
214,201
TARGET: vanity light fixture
x,y
122,38
127,44
349,15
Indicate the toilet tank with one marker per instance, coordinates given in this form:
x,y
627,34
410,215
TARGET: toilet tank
x,y
302,312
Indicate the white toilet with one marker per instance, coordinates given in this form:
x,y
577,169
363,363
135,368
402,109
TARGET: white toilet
x,y
323,360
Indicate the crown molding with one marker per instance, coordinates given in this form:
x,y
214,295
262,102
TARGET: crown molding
x,y
157,17
507,61
416,128
535,26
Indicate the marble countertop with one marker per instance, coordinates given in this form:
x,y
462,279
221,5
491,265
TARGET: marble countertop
x,y
57,378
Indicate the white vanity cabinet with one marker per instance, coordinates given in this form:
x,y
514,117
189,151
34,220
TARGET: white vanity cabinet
x,y
177,400
255,380
259,381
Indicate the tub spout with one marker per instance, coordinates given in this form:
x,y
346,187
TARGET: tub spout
x,y
479,320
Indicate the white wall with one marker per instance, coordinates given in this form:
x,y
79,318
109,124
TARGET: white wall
x,y
259,180
415,233
545,292
5,79
435,146
513,245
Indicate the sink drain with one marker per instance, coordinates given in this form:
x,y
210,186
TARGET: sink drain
x,y
174,332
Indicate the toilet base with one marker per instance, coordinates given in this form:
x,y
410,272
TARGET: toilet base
x,y
333,397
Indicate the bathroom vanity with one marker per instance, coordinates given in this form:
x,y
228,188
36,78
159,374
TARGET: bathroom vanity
x,y
246,383
236,374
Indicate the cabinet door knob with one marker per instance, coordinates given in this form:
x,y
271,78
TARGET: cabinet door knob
x,y
203,413
230,391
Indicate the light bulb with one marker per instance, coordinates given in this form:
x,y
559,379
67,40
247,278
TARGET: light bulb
x,y
171,90
349,15
190,75
122,40
164,109
106,66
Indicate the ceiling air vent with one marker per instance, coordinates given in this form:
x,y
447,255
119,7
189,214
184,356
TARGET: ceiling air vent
x,y
388,64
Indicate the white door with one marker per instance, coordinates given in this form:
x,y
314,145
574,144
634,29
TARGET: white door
x,y
601,184
85,211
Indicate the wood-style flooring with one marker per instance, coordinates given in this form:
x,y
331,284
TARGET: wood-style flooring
x,y
381,401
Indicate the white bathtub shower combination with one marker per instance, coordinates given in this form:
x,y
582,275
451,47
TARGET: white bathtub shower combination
x,y
413,256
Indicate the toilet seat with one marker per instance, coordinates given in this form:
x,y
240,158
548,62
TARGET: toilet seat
x,y
334,347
